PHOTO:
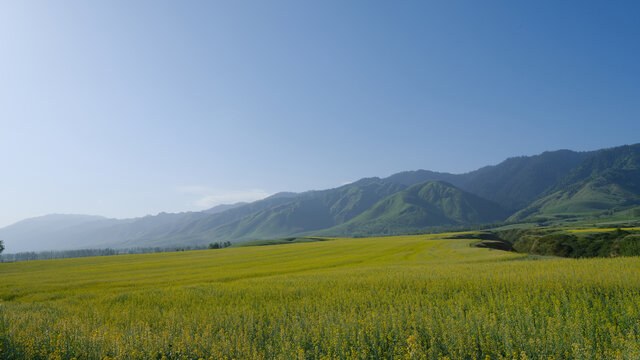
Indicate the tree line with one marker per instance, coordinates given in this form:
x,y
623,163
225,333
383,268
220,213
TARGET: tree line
x,y
217,245
62,254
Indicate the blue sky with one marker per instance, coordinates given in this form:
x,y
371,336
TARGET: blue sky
x,y
125,108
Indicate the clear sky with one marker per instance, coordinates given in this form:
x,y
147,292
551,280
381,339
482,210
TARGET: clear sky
x,y
125,108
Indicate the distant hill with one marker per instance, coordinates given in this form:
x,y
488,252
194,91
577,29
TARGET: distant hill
x,y
60,232
609,179
46,232
514,183
310,211
432,203
559,183
197,231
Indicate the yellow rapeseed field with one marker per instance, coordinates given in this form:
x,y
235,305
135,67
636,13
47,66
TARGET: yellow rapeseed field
x,y
406,297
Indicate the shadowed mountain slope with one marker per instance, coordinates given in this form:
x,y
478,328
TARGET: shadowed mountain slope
x,y
310,211
607,180
433,203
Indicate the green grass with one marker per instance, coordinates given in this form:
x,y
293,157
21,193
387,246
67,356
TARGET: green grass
x,y
407,297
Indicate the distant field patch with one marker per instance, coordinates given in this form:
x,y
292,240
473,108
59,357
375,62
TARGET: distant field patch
x,y
290,240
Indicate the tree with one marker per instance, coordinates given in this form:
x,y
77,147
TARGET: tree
x,y
1,246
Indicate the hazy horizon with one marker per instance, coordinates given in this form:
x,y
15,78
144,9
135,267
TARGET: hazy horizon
x,y
210,201
128,109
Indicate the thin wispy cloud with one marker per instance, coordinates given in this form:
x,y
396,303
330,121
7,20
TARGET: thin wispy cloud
x,y
207,197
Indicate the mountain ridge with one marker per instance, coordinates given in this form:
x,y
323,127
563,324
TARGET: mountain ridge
x,y
423,205
553,183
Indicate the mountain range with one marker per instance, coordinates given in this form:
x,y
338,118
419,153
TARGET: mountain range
x,y
554,184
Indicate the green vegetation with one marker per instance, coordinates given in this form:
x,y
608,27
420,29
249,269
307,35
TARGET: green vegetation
x,y
409,297
217,245
583,243
514,183
600,185
517,182
425,205
291,240
308,212
596,197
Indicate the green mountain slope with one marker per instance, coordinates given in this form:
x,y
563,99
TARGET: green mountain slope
x,y
610,179
311,211
513,183
429,204
193,231
516,182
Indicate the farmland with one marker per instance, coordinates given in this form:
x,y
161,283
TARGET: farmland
x,y
405,297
